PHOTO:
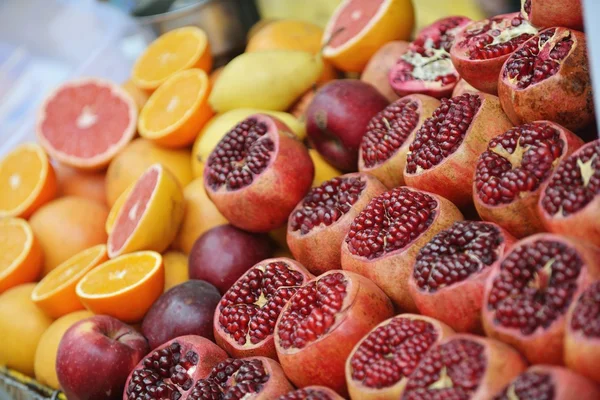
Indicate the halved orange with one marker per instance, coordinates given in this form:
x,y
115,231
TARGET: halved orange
x,y
55,294
176,112
125,287
21,257
172,52
150,217
27,181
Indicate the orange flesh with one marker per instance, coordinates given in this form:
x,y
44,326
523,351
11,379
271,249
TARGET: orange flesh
x,y
20,173
353,18
13,239
119,276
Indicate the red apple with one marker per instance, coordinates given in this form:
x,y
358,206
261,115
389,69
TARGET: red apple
x,y
96,355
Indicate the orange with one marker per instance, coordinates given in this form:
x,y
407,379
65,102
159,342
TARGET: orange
x,y
172,52
261,23
72,182
139,96
200,215
150,216
177,110
45,355
22,324
323,170
27,181
358,28
21,256
55,294
124,287
176,268
140,154
66,226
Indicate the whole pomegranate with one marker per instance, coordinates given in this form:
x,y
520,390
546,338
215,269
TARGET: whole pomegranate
x,y
319,223
510,173
321,323
257,173
548,78
449,273
548,13
442,157
481,48
312,393
570,202
384,239
389,133
530,290
245,317
381,362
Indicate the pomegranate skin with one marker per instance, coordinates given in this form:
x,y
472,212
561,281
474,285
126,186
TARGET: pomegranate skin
x,y
377,69
565,97
546,13
459,304
364,306
521,216
266,202
452,178
391,271
545,344
320,249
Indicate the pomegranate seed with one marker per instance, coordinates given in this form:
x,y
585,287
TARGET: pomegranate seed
x,y
529,386
586,315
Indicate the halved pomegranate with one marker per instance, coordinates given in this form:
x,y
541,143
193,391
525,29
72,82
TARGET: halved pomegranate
x,y
510,173
384,239
253,378
426,67
582,336
545,13
481,48
548,78
322,322
570,202
463,87
381,362
464,367
551,383
530,290
449,274
442,157
384,146
245,317
319,223
258,173
312,393
170,371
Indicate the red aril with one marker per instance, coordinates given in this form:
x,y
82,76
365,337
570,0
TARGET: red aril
x,y
530,289
570,201
312,393
319,223
442,157
245,317
384,146
449,273
322,322
381,362
481,48
258,173
377,70
548,78
384,239
510,173
548,13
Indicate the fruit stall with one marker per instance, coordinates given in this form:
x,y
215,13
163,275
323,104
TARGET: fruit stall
x,y
274,199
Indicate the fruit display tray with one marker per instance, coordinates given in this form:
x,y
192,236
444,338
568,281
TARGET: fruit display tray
x,y
16,386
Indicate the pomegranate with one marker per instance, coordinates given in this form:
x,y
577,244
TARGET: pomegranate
x,y
322,322
381,362
464,367
549,382
442,157
258,173
462,87
426,67
389,133
548,13
582,336
245,317
377,70
384,239
570,202
481,48
171,370
529,291
548,78
254,378
449,274
318,225
312,393
510,173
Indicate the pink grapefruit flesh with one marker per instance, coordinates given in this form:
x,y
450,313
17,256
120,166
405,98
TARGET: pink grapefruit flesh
x,y
352,19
